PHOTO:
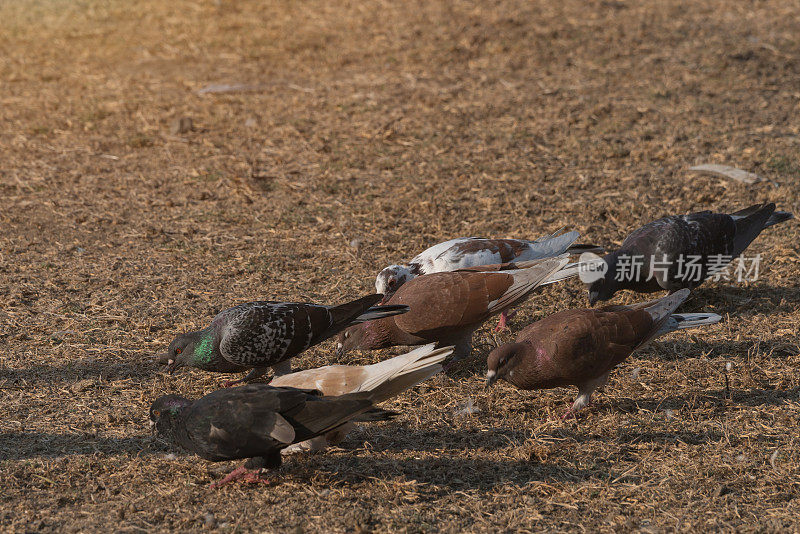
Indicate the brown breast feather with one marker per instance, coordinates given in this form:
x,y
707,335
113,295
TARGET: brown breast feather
x,y
445,302
574,346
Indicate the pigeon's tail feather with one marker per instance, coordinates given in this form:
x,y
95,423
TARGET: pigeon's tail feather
x,y
343,314
692,320
580,248
570,270
526,280
749,223
375,414
661,310
318,417
379,312
681,321
778,217
741,214
551,246
566,273
391,377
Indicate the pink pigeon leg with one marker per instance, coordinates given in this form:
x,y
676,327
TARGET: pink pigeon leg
x,y
501,323
504,318
240,473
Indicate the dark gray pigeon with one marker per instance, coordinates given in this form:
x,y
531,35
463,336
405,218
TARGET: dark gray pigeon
x,y
264,334
255,421
682,251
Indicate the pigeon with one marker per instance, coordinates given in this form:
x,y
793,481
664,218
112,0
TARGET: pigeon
x,y
254,421
448,307
382,378
465,252
580,347
259,335
681,251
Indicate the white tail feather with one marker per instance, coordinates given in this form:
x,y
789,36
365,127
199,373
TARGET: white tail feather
x,y
681,321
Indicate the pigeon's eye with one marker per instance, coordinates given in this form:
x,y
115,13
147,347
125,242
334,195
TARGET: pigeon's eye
x,y
157,413
178,351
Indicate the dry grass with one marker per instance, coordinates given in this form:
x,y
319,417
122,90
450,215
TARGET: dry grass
x,y
397,124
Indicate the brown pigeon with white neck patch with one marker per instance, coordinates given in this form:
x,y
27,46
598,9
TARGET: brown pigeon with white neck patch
x,y
581,347
448,307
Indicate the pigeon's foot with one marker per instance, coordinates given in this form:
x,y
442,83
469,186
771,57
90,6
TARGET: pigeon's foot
x,y
572,412
446,368
231,383
502,323
243,474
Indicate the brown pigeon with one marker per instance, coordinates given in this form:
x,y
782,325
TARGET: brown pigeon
x,y
384,379
581,347
448,307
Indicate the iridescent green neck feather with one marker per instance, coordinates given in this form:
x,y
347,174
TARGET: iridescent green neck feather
x,y
204,350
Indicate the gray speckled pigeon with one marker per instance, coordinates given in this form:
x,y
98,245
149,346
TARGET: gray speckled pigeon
x,y
701,235
259,335
255,421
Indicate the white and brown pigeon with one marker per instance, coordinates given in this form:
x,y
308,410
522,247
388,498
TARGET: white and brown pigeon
x,y
384,379
259,335
466,252
681,251
448,307
581,347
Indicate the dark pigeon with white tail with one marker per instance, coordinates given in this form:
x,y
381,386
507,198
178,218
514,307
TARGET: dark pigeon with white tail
x,y
581,347
255,421
682,251
259,335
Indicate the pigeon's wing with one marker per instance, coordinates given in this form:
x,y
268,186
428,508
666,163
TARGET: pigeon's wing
x,y
668,247
581,345
385,379
243,422
321,414
330,380
473,252
443,302
260,334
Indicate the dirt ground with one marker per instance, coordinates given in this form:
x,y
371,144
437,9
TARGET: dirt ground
x,y
359,134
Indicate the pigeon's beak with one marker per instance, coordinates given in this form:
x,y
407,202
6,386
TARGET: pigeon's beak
x,y
491,378
168,362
